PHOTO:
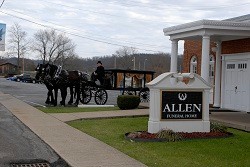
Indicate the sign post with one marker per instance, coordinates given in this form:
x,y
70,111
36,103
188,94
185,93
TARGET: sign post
x,y
2,36
178,105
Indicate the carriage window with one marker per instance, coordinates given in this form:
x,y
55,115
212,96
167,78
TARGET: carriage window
x,y
193,65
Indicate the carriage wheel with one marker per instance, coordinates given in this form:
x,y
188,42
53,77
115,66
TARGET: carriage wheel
x,y
86,96
144,95
101,96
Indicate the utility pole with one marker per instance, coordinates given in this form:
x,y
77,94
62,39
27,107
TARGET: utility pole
x,y
145,64
115,63
134,62
23,64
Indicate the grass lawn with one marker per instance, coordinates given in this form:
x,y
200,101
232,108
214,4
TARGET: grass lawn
x,y
75,109
232,151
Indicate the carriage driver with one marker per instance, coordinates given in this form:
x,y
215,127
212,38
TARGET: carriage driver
x,y
99,72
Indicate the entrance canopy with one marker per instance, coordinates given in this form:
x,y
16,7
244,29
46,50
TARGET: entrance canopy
x,y
224,30
208,30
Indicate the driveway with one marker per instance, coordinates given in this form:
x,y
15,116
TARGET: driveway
x,y
36,94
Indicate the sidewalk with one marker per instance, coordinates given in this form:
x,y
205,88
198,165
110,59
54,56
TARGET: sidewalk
x,y
65,117
75,147
237,120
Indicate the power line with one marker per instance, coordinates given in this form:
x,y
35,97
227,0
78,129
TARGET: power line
x,y
77,35
2,3
170,6
100,13
164,6
116,43
124,41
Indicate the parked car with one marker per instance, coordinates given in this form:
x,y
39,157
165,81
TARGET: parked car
x,y
23,78
14,78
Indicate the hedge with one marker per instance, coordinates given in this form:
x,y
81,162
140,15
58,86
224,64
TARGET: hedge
x,y
125,102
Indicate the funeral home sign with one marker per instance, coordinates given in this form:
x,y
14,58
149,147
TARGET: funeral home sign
x,y
181,105
179,102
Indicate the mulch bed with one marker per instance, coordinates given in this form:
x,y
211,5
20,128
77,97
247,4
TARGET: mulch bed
x,y
144,136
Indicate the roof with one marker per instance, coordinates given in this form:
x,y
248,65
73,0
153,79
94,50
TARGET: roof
x,y
208,24
7,63
223,30
244,18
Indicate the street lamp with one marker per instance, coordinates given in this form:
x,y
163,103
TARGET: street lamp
x,y
23,63
145,63
115,62
134,62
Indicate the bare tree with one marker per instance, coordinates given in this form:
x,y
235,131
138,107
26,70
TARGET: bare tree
x,y
52,46
18,42
68,60
125,57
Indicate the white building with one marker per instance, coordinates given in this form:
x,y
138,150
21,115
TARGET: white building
x,y
218,50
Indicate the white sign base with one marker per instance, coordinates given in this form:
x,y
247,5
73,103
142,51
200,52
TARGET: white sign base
x,y
164,118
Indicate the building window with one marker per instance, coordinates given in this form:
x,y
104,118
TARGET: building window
x,y
242,66
211,69
230,66
193,65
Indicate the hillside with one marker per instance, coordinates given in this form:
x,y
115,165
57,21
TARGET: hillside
x,y
159,62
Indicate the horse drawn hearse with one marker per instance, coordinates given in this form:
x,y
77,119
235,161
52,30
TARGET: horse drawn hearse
x,y
131,82
85,86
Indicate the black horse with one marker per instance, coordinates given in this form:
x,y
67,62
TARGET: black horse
x,y
40,76
55,78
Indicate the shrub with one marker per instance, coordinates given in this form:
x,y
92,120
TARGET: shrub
x,y
128,101
216,127
168,134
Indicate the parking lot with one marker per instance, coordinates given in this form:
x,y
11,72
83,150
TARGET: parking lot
x,y
35,94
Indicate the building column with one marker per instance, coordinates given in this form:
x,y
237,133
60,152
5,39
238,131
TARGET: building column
x,y
217,89
174,56
223,71
205,58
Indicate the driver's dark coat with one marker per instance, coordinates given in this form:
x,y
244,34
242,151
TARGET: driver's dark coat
x,y
100,71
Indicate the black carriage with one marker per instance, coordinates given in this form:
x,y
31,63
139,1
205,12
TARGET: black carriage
x,y
131,82
91,89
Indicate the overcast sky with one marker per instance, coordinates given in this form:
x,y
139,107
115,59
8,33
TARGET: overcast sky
x,y
100,27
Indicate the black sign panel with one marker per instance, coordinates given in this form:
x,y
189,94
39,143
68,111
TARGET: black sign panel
x,y
181,105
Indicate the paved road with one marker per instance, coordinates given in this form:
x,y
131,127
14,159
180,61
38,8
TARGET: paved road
x,y
35,94
19,145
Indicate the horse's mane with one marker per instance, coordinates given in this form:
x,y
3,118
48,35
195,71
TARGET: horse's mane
x,y
50,69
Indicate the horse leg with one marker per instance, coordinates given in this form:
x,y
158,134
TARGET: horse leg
x,y
48,101
71,89
56,93
52,100
63,95
48,98
77,90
